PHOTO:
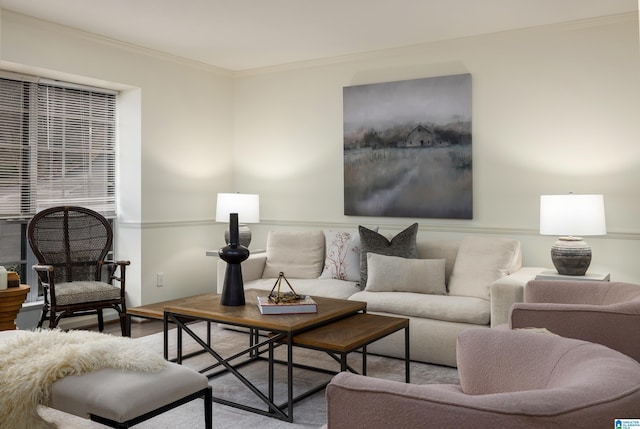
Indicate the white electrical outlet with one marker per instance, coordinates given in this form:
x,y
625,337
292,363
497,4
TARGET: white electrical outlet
x,y
160,279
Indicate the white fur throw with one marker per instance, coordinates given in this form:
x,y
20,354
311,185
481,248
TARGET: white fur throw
x,y
32,362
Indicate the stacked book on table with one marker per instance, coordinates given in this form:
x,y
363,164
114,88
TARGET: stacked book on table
x,y
305,304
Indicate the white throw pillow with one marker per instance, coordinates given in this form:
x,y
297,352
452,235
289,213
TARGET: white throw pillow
x,y
480,262
397,274
298,254
341,256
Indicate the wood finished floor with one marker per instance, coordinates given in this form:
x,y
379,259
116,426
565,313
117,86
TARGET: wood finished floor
x,y
138,329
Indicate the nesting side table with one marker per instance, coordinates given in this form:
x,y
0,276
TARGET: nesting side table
x,y
11,300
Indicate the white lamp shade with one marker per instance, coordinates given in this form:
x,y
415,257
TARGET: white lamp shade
x,y
572,215
246,205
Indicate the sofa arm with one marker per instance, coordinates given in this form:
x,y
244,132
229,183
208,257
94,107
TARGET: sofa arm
x,y
508,290
252,268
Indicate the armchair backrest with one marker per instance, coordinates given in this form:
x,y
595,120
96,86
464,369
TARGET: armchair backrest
x,y
500,361
621,293
606,313
74,240
581,292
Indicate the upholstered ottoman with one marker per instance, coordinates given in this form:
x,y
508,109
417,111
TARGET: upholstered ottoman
x,y
122,399
114,397
67,421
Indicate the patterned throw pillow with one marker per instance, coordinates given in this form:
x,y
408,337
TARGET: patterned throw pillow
x,y
403,245
342,256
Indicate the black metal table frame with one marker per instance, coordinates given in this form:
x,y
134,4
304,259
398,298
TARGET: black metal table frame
x,y
255,351
179,356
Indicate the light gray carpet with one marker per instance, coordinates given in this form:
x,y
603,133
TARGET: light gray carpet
x,y
308,413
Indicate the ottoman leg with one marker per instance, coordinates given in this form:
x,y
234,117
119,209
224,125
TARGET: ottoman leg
x,y
208,416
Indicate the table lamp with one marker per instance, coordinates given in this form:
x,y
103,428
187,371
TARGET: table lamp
x,y
247,206
571,217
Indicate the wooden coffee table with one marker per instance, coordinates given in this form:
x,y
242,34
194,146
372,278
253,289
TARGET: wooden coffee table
x,y
354,333
283,328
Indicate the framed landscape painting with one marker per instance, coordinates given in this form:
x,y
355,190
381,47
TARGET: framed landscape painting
x,y
407,148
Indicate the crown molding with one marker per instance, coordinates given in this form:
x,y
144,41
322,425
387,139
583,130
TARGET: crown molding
x,y
91,37
419,47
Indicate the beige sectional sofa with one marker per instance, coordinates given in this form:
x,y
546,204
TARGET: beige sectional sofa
x,y
451,286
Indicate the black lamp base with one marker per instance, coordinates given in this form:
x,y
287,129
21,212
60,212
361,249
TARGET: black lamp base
x,y
244,235
233,254
571,256
233,288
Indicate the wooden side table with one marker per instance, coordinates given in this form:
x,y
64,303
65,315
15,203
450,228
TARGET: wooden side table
x,y
11,300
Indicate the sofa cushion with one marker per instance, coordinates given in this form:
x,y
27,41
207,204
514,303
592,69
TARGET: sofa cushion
x,y
461,309
480,262
395,274
440,249
341,256
298,254
403,245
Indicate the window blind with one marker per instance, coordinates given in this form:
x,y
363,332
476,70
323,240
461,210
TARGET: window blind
x,y
58,148
14,123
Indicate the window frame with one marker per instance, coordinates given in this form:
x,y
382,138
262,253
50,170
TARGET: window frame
x,y
28,149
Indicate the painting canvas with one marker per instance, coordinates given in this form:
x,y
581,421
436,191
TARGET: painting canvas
x,y
407,148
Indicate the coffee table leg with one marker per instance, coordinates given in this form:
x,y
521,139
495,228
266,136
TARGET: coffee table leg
x,y
179,344
271,372
343,362
364,360
166,336
290,375
407,358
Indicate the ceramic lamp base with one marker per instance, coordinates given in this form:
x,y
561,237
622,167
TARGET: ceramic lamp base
x,y
571,256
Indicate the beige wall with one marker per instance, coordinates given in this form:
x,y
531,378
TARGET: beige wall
x,y
554,110
175,138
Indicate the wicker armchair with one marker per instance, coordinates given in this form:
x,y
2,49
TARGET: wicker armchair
x,y
70,244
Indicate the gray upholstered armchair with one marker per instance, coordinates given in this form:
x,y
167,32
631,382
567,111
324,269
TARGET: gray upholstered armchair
x,y
606,313
508,379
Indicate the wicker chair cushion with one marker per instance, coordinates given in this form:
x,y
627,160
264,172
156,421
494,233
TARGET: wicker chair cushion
x,y
85,291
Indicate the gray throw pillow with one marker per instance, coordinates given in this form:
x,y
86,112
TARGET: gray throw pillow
x,y
394,274
403,245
